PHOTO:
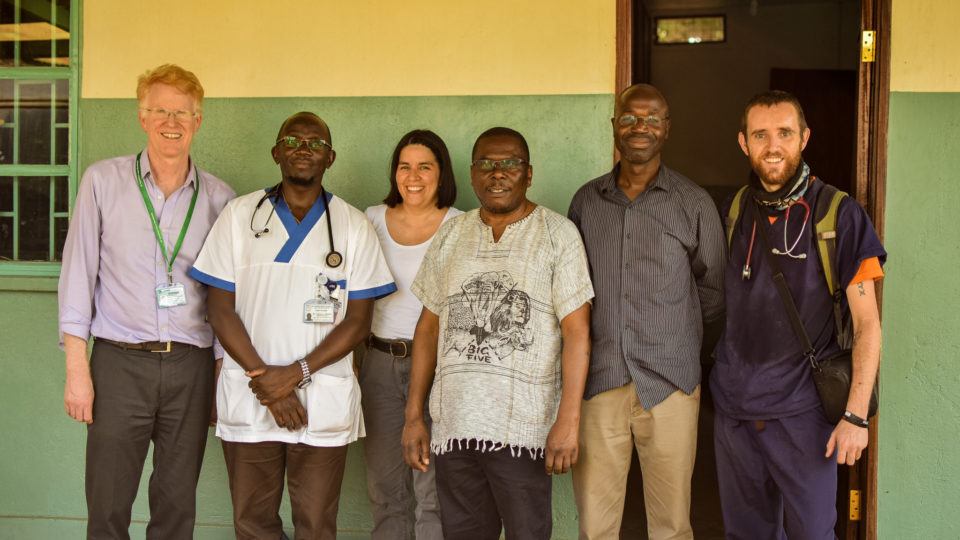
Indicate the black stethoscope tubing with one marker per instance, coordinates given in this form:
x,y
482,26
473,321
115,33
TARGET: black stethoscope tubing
x,y
334,258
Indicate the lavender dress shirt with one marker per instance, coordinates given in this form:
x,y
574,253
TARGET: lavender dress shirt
x,y
112,263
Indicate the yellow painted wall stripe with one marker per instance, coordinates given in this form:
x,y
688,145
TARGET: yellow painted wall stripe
x,y
925,53
286,48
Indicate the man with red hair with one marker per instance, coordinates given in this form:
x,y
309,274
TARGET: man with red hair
x,y
138,224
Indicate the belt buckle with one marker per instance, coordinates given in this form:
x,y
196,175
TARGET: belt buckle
x,y
406,351
169,343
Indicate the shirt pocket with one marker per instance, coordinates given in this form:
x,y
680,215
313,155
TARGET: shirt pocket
x,y
237,407
332,404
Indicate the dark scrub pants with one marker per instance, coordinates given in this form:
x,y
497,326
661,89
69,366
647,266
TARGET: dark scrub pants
x,y
774,481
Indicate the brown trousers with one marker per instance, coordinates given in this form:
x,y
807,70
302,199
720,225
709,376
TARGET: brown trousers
x,y
314,476
142,397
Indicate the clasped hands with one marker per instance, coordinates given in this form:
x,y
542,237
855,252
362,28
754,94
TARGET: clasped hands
x,y
274,387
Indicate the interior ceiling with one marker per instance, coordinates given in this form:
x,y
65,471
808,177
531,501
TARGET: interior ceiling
x,y
656,5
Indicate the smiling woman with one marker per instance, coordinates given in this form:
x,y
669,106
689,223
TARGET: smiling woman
x,y
422,191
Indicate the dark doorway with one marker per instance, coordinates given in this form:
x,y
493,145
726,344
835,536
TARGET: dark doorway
x,y
812,49
829,98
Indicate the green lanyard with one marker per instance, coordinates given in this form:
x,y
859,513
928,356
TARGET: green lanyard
x,y
153,217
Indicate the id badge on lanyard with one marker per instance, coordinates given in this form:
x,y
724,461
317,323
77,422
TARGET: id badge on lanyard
x,y
169,294
324,308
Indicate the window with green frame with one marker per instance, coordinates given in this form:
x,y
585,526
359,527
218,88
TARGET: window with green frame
x,y
39,76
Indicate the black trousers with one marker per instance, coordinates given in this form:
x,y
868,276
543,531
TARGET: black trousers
x,y
480,492
141,397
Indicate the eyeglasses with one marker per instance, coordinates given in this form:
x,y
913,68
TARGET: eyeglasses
x,y
295,142
505,165
630,120
181,117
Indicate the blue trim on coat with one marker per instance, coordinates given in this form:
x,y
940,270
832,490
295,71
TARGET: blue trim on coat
x,y
207,279
297,232
375,292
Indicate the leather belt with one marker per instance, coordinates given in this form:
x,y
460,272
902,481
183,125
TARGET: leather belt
x,y
398,348
148,346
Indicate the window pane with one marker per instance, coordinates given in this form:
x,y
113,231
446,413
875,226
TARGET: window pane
x,y
60,225
63,146
34,124
6,121
34,218
6,238
61,194
6,194
7,45
40,28
63,101
690,30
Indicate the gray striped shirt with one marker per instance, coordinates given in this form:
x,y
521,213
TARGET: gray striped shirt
x,y
657,268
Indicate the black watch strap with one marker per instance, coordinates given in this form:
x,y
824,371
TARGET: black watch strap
x,y
855,420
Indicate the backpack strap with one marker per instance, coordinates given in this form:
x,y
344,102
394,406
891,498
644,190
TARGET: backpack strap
x,y
825,217
733,214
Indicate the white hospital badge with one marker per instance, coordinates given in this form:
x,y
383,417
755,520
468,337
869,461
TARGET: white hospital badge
x,y
319,311
171,295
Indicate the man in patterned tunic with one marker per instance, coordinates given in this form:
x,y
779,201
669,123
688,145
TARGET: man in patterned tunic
x,y
506,296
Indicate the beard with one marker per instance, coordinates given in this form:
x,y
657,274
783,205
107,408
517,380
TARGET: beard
x,y
302,181
775,177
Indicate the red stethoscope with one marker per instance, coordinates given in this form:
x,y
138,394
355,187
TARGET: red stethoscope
x,y
747,271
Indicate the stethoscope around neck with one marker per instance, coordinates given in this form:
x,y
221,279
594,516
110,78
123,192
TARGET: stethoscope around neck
x,y
333,258
788,248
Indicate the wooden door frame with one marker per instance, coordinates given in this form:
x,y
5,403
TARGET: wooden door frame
x,y
873,97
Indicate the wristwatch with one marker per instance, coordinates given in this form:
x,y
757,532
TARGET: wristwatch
x,y
305,369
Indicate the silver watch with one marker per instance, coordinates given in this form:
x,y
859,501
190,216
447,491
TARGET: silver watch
x,y
305,369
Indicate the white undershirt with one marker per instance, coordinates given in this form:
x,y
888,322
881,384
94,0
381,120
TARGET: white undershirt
x,y
395,316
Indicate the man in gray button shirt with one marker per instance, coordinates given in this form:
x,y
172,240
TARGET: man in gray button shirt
x,y
656,252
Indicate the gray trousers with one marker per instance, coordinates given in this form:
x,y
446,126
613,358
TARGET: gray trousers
x,y
403,501
141,397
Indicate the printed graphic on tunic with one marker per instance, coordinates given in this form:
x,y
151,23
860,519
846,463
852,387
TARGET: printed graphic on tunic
x,y
490,319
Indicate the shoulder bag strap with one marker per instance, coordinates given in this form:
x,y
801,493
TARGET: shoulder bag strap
x,y
781,284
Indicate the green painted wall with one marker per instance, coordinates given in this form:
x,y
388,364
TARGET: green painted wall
x,y
569,137
920,371
41,473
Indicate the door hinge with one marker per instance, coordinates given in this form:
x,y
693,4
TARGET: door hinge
x,y
868,46
854,505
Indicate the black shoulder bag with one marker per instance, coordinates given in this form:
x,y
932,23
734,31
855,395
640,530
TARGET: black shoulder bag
x,y
832,375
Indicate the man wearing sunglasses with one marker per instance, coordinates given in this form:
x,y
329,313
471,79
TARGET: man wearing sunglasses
x,y
293,272
138,224
656,252
503,340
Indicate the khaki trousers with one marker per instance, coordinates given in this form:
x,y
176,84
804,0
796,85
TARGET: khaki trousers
x,y
611,424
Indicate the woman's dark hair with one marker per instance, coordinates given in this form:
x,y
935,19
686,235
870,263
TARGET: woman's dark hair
x,y
447,190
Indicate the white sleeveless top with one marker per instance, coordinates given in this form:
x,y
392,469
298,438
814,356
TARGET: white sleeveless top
x,y
395,316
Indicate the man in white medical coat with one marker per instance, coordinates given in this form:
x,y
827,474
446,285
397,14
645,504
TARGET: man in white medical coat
x,y
293,272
